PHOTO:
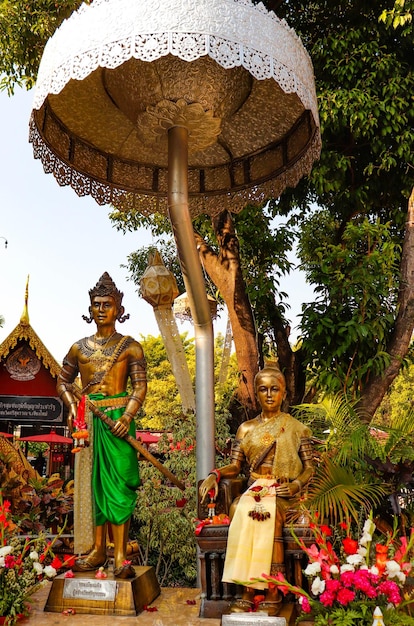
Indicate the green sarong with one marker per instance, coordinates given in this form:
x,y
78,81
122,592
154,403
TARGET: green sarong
x,y
115,472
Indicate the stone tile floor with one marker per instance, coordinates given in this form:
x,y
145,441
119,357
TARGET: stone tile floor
x,y
171,604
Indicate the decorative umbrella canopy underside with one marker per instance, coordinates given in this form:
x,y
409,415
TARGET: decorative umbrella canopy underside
x,y
118,74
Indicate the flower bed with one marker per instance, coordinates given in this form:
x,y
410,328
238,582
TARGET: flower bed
x,y
348,578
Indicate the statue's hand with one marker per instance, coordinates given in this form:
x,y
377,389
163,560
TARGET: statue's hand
x,y
72,415
287,489
120,427
208,483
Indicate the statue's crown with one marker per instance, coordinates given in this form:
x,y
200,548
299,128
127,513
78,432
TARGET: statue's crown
x,y
106,287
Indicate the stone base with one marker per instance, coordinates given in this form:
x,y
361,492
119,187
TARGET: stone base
x,y
83,593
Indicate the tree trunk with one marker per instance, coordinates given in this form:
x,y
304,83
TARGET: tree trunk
x,y
225,271
401,336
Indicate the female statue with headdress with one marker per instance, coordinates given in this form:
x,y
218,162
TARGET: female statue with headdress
x,y
278,450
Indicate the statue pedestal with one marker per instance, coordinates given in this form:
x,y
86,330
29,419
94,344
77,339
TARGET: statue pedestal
x,y
109,596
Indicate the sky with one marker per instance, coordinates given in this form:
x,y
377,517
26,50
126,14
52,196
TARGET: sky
x,y
64,244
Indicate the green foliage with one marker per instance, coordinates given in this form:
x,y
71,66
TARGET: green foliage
x,y
358,464
363,73
25,28
400,16
355,274
399,397
162,397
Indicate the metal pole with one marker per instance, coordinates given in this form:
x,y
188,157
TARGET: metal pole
x,y
194,283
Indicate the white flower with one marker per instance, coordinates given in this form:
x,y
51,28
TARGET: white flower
x,y
318,586
334,569
374,570
362,551
393,569
354,559
369,527
34,555
38,567
312,569
5,550
346,567
365,539
367,532
50,571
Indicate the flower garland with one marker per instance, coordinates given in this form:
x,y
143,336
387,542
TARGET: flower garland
x,y
80,434
259,512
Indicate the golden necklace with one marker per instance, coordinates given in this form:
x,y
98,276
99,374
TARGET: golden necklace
x,y
98,356
268,438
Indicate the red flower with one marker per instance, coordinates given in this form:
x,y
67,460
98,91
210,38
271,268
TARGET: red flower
x,y
350,545
326,530
69,560
56,563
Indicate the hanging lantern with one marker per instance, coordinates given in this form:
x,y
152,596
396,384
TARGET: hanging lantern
x,y
182,308
158,285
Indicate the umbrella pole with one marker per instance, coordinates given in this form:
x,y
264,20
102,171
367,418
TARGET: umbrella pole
x,y
194,283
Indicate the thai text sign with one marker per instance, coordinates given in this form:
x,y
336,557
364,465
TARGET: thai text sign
x,y
31,409
89,589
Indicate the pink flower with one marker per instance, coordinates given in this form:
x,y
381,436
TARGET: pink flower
x,y
312,552
345,596
306,607
347,579
363,580
333,586
327,598
390,589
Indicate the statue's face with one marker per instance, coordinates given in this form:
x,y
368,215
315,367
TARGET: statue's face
x,y
270,391
104,310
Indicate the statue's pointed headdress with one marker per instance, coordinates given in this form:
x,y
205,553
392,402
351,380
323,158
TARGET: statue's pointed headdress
x,y
106,287
273,368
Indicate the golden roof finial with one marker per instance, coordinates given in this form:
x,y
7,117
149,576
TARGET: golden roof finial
x,y
25,315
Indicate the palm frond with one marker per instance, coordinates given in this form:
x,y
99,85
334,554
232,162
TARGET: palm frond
x,y
335,494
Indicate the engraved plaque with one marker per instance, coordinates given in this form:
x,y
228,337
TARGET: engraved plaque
x,y
90,589
250,619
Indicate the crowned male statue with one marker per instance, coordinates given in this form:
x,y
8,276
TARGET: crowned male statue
x,y
106,471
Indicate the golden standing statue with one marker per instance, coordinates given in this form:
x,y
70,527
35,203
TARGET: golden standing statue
x,y
278,450
106,473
